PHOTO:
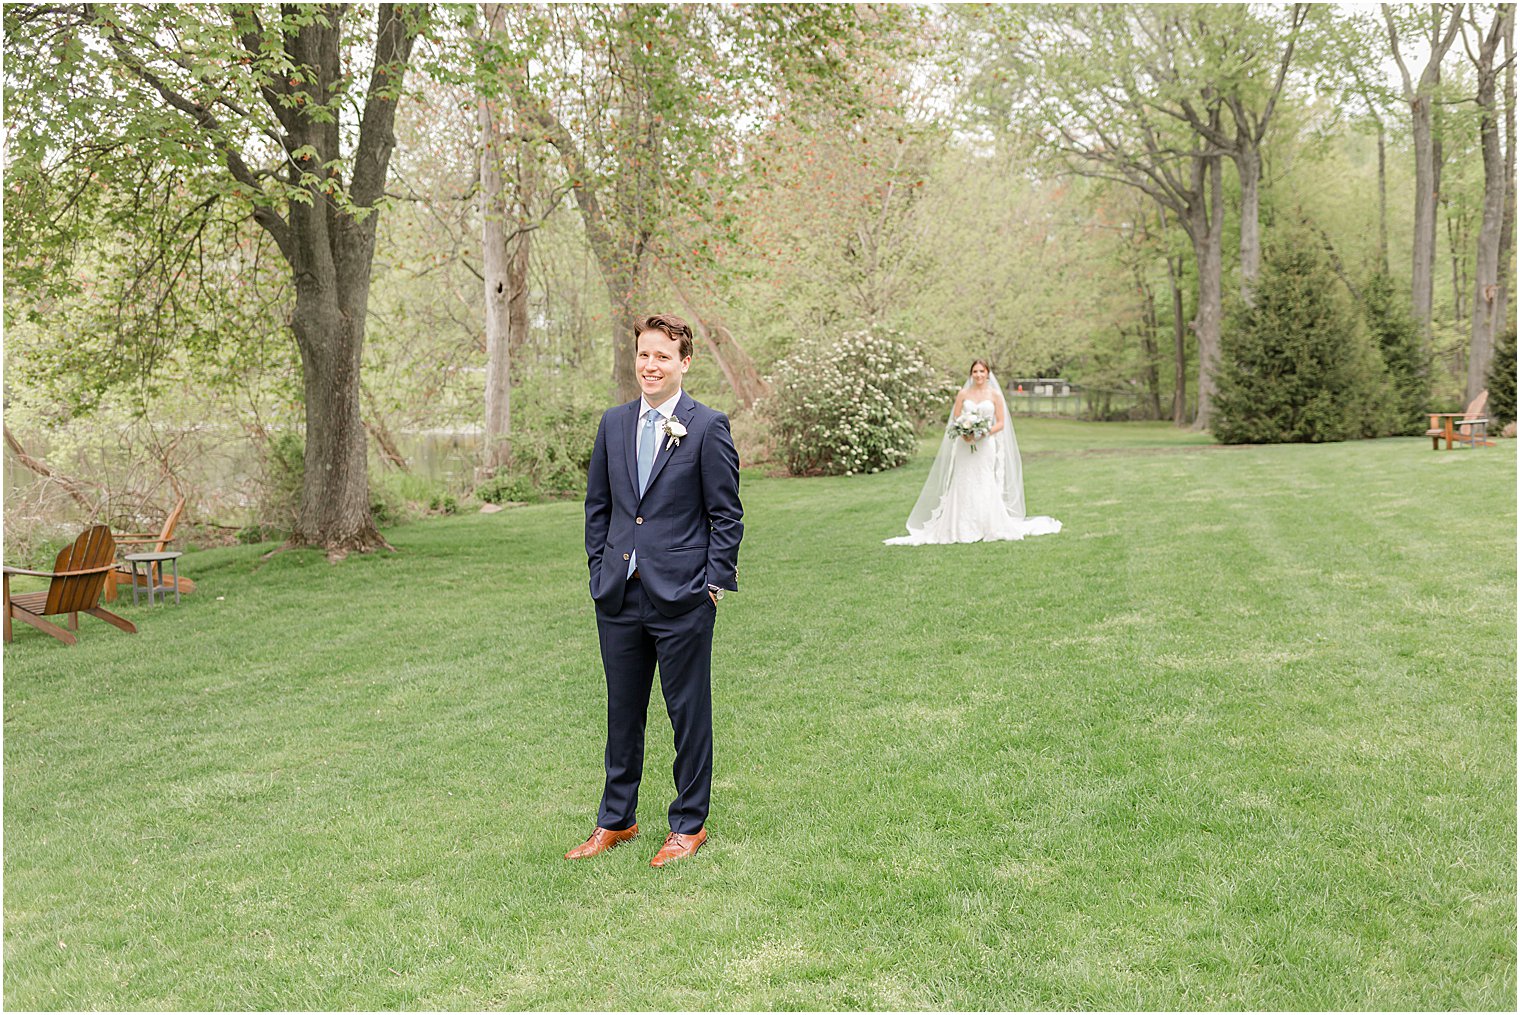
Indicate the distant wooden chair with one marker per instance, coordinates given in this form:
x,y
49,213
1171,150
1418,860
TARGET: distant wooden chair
x,y
1467,427
77,580
147,542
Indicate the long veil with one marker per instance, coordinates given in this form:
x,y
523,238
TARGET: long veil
x,y
1009,468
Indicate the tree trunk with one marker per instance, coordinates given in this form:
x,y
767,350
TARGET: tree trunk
x,y
1179,343
622,294
1207,233
1485,298
1382,248
496,258
737,366
1427,161
751,387
1507,227
329,329
1248,167
517,267
621,257
1422,272
1456,242
387,444
1150,325
331,254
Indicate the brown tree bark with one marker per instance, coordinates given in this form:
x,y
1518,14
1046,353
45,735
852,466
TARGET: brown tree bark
x,y
1205,225
1248,168
1485,298
1382,246
738,368
1507,227
331,254
1420,96
1179,343
1150,324
496,258
517,267
621,256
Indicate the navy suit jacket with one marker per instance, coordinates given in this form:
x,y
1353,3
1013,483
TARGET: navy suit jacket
x,y
687,524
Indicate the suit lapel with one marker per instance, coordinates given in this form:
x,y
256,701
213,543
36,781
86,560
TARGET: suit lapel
x,y
630,429
683,413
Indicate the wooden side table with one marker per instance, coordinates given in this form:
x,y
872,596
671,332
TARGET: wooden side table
x,y
149,560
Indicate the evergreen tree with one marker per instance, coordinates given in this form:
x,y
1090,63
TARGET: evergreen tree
x,y
1392,329
1295,366
1501,381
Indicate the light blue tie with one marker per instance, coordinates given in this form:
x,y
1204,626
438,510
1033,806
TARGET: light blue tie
x,y
646,463
646,448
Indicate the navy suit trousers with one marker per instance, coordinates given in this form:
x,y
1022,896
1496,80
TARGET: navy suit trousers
x,y
635,638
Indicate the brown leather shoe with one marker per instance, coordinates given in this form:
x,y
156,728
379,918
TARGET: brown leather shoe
x,y
678,846
601,841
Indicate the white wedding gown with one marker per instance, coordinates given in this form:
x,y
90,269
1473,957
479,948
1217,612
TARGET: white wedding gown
x,y
973,509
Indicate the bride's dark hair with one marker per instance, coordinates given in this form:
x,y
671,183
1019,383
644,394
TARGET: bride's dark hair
x,y
974,363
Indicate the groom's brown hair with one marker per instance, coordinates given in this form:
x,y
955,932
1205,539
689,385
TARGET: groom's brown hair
x,y
672,326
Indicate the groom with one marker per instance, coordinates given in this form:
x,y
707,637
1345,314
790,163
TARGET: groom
x,y
663,523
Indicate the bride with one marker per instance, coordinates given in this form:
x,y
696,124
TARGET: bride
x,y
975,489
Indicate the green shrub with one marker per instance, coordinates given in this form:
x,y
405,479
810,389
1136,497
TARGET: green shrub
x,y
1295,366
1501,381
284,473
1392,328
554,450
386,505
36,545
504,487
258,533
850,404
551,452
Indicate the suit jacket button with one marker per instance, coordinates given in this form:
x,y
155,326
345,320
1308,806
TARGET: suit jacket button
x,y
625,556
638,521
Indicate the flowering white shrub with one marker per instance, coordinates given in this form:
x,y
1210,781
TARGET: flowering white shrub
x,y
850,404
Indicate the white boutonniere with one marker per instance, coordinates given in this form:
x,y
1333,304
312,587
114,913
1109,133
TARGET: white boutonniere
x,y
674,431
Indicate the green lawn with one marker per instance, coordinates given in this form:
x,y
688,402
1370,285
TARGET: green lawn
x,y
1241,736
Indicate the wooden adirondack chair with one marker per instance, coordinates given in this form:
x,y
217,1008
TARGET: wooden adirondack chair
x,y
1468,427
78,578
147,542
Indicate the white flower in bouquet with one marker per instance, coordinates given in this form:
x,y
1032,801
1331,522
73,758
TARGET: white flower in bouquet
x,y
975,425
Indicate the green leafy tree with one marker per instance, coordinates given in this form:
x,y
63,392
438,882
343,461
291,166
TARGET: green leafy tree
x,y
1501,380
1127,118
1392,328
240,111
1295,367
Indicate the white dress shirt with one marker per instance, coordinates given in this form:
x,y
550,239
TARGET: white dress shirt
x,y
666,410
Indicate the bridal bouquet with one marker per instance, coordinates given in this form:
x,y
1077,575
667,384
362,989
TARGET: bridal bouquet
x,y
970,424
